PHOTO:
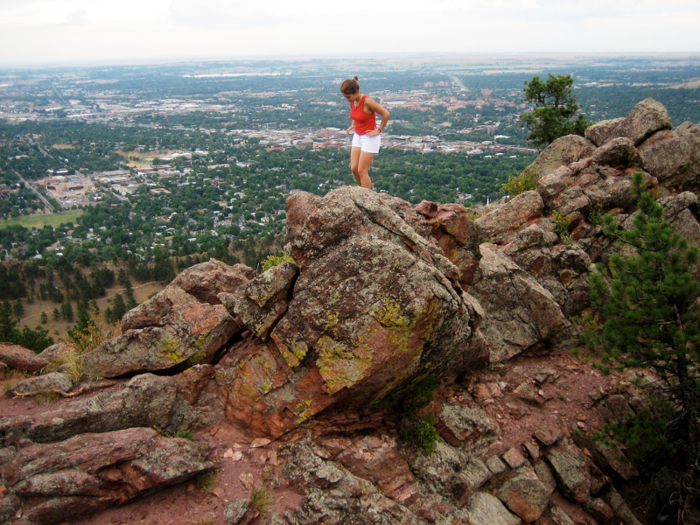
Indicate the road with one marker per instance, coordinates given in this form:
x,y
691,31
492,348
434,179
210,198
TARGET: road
x,y
459,83
48,205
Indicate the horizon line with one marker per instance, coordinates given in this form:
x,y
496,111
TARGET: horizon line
x,y
160,61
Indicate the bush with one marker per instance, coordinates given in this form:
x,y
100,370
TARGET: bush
x,y
520,184
275,260
420,431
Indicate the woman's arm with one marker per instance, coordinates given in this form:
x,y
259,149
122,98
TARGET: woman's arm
x,y
351,128
377,108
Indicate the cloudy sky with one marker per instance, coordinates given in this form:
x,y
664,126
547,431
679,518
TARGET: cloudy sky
x,y
104,31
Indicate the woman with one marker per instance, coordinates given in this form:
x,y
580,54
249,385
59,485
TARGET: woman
x,y
366,140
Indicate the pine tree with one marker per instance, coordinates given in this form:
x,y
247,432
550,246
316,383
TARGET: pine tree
x,y
118,307
650,319
555,108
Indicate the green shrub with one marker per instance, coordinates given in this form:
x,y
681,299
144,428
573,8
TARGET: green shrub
x,y
422,434
276,260
520,184
420,431
645,434
186,434
561,225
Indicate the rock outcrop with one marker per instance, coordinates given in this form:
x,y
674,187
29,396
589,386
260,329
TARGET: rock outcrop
x,y
384,301
375,308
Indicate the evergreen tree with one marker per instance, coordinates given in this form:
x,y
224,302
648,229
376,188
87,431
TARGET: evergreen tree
x,y
44,318
8,324
18,309
82,325
553,114
646,315
67,311
129,293
118,308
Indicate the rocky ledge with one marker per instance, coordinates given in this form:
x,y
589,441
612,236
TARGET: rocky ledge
x,y
296,384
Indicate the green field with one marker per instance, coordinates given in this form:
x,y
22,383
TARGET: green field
x,y
39,221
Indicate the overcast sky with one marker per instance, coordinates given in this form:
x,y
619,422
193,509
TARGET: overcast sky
x,y
103,31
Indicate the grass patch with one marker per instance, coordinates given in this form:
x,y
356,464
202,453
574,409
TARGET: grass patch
x,y
205,481
262,500
39,221
12,377
46,398
73,358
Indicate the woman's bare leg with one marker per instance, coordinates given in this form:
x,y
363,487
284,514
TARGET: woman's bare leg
x,y
365,161
355,163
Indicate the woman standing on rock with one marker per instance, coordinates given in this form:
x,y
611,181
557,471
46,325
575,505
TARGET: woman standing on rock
x,y
367,138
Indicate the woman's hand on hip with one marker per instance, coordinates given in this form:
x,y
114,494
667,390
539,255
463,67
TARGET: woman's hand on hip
x,y
373,133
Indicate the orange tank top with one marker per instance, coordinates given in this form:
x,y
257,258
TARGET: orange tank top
x,y
363,122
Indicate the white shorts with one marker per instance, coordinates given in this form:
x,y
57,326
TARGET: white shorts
x,y
367,143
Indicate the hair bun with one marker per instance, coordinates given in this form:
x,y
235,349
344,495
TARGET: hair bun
x,y
355,77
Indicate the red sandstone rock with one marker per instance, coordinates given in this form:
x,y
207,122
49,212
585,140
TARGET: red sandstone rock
x,y
524,494
562,152
371,299
207,279
20,358
92,471
646,118
189,335
519,212
262,302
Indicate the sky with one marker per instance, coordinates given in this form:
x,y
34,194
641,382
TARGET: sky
x,y
63,32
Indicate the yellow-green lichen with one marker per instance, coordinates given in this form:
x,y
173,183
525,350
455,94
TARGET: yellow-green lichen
x,y
202,338
196,358
172,350
303,412
341,366
293,352
390,314
332,321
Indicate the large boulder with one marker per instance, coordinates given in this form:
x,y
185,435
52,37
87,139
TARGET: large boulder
x,y
21,358
502,224
645,119
521,312
190,334
562,152
199,283
577,477
152,311
524,494
375,308
590,185
53,382
484,509
205,280
563,269
59,482
673,157
145,401
454,231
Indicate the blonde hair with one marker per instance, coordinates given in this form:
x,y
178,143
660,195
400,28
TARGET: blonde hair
x,y
350,86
